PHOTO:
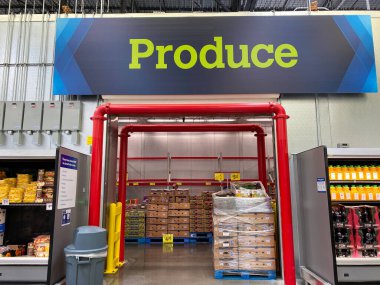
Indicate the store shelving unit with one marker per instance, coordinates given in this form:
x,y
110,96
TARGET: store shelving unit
x,y
25,221
315,227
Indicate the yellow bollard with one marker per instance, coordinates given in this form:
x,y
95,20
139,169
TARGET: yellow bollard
x,y
114,227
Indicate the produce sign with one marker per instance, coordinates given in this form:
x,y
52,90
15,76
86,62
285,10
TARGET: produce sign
x,y
214,55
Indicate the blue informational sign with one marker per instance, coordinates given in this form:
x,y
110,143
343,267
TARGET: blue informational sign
x,y
214,55
69,162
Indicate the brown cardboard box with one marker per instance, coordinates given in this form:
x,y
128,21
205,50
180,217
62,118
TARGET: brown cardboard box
x,y
182,199
151,228
179,206
225,220
257,264
178,220
151,221
162,215
257,252
161,227
226,232
178,227
181,193
160,221
179,233
226,264
225,242
263,229
152,207
155,233
178,213
226,253
258,218
162,208
151,214
256,240
158,200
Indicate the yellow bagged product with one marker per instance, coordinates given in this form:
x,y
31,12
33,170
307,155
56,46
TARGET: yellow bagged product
x,y
4,191
11,181
16,195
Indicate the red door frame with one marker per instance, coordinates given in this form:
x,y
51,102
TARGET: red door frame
x,y
135,128
141,110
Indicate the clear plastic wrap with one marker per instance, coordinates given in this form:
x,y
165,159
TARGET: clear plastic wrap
x,y
244,229
241,200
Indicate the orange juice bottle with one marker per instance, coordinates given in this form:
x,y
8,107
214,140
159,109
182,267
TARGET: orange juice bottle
x,y
376,191
333,193
369,191
340,193
367,173
332,173
378,171
362,193
347,192
339,173
359,172
374,173
346,173
352,171
354,193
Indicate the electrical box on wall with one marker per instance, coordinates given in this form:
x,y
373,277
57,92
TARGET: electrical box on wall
x,y
51,123
2,108
71,116
33,116
13,116
52,116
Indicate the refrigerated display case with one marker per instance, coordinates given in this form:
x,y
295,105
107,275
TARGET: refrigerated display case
x,y
53,221
337,197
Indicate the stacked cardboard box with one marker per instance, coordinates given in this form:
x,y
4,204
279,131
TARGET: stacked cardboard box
x,y
157,213
244,230
201,213
135,222
179,213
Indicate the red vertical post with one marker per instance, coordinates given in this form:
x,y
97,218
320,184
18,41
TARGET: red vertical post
x,y
261,157
96,167
285,199
122,187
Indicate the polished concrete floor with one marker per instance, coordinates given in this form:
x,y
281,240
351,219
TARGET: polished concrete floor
x,y
182,264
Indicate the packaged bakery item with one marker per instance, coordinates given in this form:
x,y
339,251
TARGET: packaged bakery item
x,y
30,249
23,180
49,174
40,174
47,194
42,246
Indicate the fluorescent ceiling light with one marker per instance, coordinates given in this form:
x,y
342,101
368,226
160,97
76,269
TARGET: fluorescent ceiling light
x,y
127,121
221,120
164,120
259,120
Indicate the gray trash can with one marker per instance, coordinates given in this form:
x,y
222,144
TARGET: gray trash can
x,y
85,258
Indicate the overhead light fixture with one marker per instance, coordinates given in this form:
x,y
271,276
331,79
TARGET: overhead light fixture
x,y
127,121
258,120
212,120
164,120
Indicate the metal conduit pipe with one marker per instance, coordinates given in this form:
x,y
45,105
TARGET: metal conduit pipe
x,y
44,70
128,129
145,110
8,39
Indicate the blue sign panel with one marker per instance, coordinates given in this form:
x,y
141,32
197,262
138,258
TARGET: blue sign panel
x,y
214,55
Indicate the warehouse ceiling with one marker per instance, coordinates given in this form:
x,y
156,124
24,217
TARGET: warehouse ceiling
x,y
172,6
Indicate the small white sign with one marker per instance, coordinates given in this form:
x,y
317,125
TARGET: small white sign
x,y
68,176
5,202
321,185
49,206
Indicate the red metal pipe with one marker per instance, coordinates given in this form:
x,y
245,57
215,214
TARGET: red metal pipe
x,y
204,110
167,128
122,189
196,158
262,165
285,198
